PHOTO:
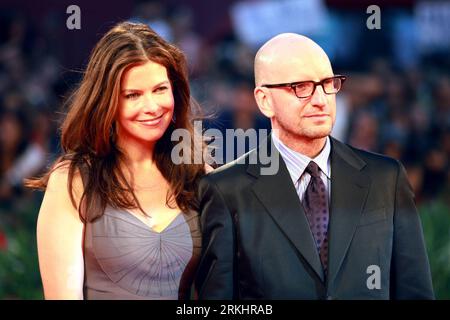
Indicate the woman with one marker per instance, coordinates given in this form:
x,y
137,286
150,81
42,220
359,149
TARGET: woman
x,y
119,219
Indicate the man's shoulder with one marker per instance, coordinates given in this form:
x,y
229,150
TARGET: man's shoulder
x,y
233,171
372,160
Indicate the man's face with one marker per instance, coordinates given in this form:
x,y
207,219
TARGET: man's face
x,y
303,118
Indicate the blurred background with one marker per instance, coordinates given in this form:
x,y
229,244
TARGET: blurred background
x,y
396,100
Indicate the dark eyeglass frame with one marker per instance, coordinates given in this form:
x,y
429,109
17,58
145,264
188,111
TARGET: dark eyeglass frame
x,y
316,83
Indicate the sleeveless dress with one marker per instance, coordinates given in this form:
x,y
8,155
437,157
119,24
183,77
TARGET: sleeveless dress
x,y
125,259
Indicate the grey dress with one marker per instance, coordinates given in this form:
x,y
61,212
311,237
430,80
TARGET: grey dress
x,y
125,259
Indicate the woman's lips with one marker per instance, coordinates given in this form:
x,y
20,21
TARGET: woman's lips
x,y
151,122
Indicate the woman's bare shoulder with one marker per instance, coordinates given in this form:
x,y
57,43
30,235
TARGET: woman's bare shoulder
x,y
60,173
59,181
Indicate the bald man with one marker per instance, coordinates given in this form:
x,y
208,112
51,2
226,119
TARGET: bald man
x,y
333,222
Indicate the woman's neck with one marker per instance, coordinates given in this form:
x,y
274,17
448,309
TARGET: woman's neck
x,y
137,153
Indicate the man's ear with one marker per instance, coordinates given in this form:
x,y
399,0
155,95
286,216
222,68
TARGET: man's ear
x,y
264,101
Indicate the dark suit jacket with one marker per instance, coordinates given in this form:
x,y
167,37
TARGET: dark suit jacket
x,y
257,243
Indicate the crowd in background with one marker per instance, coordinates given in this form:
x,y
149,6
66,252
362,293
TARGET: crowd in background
x,y
401,110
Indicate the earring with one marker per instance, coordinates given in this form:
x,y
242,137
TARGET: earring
x,y
174,118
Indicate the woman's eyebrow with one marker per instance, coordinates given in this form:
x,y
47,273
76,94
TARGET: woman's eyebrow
x,y
154,86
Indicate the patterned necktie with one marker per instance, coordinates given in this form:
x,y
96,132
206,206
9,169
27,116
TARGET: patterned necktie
x,y
315,202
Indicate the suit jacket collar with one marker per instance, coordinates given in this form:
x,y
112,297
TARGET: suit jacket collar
x,y
278,195
297,162
349,189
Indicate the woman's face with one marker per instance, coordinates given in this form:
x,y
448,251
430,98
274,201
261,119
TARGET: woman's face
x,y
146,104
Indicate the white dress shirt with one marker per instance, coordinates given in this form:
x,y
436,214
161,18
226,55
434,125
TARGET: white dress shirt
x,y
296,164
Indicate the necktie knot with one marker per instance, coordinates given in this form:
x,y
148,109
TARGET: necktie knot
x,y
313,169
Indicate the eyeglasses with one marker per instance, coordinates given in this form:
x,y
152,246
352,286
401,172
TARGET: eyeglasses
x,y
305,89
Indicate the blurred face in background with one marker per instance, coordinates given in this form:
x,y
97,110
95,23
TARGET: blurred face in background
x,y
146,104
11,133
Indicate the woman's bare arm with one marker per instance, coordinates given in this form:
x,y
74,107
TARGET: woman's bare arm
x,y
60,235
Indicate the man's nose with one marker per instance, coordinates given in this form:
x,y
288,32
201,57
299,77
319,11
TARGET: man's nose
x,y
319,97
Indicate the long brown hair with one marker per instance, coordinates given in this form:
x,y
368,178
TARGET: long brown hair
x,y
88,132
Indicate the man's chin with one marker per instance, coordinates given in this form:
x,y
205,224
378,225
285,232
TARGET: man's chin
x,y
317,133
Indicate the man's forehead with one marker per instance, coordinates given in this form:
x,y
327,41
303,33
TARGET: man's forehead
x,y
283,44
291,56
298,67
294,52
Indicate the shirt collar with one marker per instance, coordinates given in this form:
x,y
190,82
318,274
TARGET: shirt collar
x,y
296,162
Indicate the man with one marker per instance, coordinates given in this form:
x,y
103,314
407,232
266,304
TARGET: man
x,y
334,222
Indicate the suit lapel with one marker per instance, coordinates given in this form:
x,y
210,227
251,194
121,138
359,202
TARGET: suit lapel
x,y
279,197
349,190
